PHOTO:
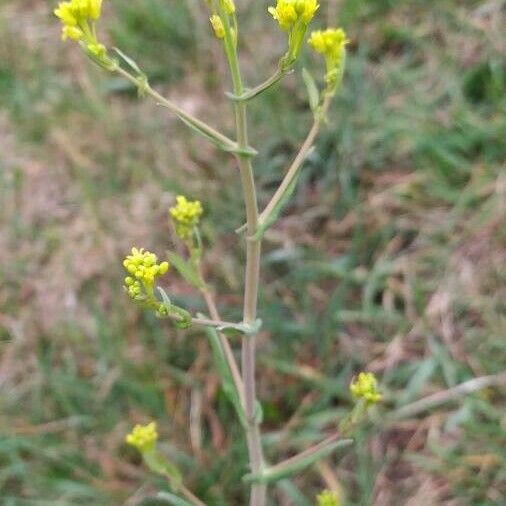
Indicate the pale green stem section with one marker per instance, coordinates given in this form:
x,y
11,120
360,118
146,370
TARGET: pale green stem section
x,y
296,165
146,88
268,83
253,251
213,323
227,350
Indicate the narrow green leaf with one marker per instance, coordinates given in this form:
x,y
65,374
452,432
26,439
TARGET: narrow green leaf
x,y
312,89
225,374
241,328
300,462
185,269
160,465
197,129
247,151
129,61
274,214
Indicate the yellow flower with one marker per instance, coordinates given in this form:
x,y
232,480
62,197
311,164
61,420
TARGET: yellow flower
x,y
143,269
330,42
229,6
78,19
288,12
186,216
217,24
366,387
327,498
294,17
143,437
72,32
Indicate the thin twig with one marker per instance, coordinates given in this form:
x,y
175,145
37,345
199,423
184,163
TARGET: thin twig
x,y
146,88
448,395
227,350
296,165
213,323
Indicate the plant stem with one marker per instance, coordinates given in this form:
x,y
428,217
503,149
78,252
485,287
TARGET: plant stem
x,y
253,251
268,83
201,125
227,350
298,161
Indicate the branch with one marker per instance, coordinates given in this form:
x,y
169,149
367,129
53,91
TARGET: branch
x,y
201,127
448,395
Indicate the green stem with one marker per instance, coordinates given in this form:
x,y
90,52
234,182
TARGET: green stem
x,y
296,165
253,251
257,90
210,132
227,350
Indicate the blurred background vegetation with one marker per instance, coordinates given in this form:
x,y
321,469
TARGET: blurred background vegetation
x,y
391,256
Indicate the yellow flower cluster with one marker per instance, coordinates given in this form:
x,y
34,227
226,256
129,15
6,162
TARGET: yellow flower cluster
x,y
330,43
143,269
288,12
217,24
78,17
327,498
186,216
143,437
366,387
229,6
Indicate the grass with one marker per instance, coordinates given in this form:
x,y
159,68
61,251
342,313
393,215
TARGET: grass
x,y
391,256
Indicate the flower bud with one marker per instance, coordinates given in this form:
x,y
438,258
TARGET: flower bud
x,y
217,24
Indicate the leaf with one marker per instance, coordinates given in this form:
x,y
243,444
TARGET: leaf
x,y
300,462
234,329
181,318
129,61
225,374
172,499
312,89
274,214
185,269
199,130
160,465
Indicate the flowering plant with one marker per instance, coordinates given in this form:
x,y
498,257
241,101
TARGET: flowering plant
x,y
79,18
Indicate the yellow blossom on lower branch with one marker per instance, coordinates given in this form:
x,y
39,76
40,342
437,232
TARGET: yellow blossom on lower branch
x,y
366,387
143,437
186,216
143,269
327,498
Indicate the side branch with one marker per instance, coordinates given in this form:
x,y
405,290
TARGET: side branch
x,y
295,167
200,126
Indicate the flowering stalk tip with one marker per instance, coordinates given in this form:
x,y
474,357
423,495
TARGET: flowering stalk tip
x,y
217,24
365,386
78,18
331,43
186,216
327,498
294,16
143,437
